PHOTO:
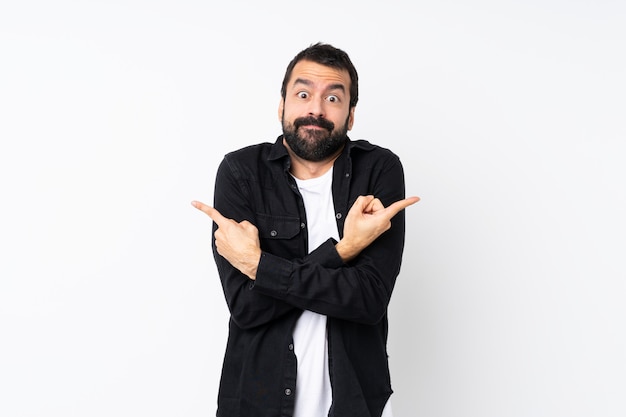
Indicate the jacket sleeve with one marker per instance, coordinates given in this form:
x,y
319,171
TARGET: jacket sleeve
x,y
358,291
248,308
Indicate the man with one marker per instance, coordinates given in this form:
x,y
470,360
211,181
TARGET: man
x,y
308,240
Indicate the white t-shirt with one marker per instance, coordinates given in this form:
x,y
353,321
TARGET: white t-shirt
x,y
313,389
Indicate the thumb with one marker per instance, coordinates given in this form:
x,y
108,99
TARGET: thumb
x,y
361,203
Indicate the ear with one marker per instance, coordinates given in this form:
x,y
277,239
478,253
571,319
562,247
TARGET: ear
x,y
351,117
281,107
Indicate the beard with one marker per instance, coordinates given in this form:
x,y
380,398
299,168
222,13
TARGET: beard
x,y
314,144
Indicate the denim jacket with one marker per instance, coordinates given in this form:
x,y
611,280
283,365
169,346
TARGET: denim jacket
x,y
259,371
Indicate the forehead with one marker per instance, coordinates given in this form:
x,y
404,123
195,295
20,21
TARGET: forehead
x,y
319,75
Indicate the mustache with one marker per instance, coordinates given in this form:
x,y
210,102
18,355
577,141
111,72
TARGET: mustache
x,y
310,120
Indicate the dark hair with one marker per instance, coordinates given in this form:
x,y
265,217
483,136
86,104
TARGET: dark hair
x,y
329,56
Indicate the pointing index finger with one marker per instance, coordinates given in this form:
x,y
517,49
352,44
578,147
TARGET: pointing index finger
x,y
215,215
396,207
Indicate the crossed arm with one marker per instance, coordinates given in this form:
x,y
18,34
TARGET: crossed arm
x,y
238,242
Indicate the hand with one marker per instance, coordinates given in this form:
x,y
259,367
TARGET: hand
x,y
366,221
238,243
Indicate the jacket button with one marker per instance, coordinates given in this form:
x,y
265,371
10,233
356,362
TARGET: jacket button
x,y
338,215
290,346
273,233
302,225
287,392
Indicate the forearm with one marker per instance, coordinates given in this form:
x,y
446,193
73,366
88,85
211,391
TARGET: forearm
x,y
248,308
357,291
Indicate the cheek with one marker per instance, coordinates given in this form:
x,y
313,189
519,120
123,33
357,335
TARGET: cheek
x,y
343,119
290,114
287,110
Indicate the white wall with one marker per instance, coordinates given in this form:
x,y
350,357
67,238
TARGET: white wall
x,y
509,117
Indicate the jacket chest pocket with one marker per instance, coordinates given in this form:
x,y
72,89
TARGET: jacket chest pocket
x,y
278,227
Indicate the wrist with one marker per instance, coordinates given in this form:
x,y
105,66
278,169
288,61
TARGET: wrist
x,y
252,264
346,250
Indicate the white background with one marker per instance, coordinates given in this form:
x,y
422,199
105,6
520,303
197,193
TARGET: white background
x,y
509,117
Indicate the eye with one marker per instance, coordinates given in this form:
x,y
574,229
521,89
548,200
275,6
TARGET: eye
x,y
333,99
303,94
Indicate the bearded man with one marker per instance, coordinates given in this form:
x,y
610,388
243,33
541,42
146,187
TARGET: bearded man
x,y
308,236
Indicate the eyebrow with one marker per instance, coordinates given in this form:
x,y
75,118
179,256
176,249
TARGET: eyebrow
x,y
309,83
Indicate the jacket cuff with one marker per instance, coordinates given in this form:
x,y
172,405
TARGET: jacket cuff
x,y
272,274
326,255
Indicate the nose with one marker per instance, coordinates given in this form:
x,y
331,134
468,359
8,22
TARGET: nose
x,y
316,107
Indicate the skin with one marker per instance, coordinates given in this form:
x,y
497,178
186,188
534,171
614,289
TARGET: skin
x,y
322,92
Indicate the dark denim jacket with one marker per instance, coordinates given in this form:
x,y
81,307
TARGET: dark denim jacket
x,y
259,372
